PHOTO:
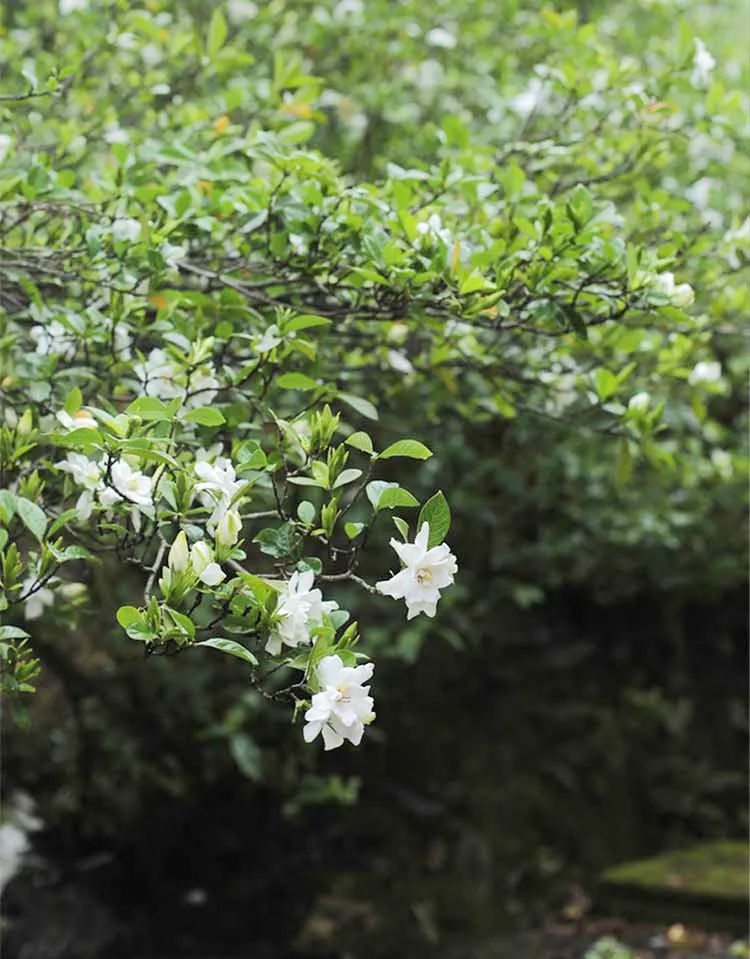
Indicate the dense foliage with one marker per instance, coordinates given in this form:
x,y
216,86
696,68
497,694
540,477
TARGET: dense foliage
x,y
253,259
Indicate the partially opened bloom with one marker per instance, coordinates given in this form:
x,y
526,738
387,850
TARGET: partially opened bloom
x,y
229,528
425,573
219,484
37,601
343,707
203,565
299,607
86,473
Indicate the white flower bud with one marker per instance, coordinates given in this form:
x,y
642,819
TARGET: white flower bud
x,y
639,401
201,555
228,530
178,553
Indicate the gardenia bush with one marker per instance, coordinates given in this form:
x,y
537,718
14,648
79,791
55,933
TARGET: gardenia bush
x,y
186,452
205,302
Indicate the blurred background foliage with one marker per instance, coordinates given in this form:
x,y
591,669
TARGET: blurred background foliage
x,y
582,699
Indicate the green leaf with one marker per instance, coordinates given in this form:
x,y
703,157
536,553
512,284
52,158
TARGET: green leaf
x,y
580,206
73,401
182,621
32,517
411,449
384,495
248,756
295,381
7,506
127,615
362,406
347,476
231,648
605,383
217,32
281,542
402,526
353,530
360,441
394,498
306,322
149,408
306,512
205,416
473,283
13,632
437,514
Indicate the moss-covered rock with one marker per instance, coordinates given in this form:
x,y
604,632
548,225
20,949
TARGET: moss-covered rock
x,y
706,883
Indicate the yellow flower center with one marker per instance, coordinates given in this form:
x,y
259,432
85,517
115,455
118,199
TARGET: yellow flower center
x,y
424,576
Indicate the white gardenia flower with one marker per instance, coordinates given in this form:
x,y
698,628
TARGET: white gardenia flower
x,y
126,230
172,254
156,374
439,37
229,528
202,387
240,10
53,337
680,295
639,401
70,6
127,483
525,102
432,229
399,362
299,607
159,373
115,134
268,340
703,65
343,707
707,371
203,565
81,419
425,573
85,472
220,485
35,604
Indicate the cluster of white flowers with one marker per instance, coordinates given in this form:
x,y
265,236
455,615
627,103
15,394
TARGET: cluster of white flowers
x,y
126,483
197,559
52,337
343,707
299,608
160,377
341,703
36,598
